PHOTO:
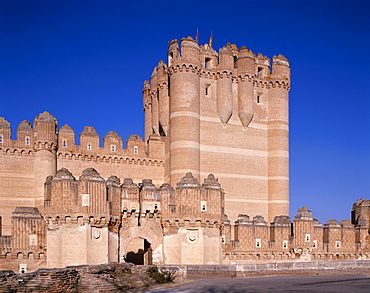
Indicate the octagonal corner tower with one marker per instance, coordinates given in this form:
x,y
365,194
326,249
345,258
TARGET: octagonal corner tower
x,y
224,113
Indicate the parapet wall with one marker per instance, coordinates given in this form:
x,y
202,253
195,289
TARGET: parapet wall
x,y
244,270
40,149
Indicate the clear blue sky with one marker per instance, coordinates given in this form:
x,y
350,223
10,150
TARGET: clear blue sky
x,y
85,63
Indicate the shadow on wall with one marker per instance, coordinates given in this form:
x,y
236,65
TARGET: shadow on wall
x,y
142,256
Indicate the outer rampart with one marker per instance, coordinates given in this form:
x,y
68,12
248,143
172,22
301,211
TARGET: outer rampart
x,y
244,270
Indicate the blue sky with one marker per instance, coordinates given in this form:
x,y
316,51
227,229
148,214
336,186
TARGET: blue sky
x,y
85,63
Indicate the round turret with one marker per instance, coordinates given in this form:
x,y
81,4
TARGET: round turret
x,y
45,142
246,61
46,129
190,50
280,67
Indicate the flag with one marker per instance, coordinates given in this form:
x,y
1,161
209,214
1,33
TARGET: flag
x,y
210,40
196,35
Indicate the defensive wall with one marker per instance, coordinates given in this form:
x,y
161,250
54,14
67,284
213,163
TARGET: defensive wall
x,y
244,270
91,220
119,277
40,149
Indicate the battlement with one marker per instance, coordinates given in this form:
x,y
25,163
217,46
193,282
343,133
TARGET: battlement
x,y
240,61
44,134
93,197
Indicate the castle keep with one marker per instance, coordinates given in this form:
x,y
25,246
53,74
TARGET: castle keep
x,y
215,150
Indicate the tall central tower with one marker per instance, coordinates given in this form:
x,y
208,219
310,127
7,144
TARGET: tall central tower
x,y
224,113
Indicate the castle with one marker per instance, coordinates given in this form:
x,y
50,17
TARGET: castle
x,y
215,149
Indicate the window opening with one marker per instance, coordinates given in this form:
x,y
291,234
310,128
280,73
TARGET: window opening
x,y
207,63
235,61
1,138
285,243
136,149
27,140
307,237
89,146
113,148
64,143
260,72
170,57
85,200
258,242
258,99
203,206
207,89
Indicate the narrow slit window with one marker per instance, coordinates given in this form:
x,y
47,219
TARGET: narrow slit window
x,y
258,99
235,61
314,245
64,143
170,57
208,89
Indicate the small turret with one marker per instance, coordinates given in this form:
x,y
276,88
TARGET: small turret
x,y
163,99
190,50
173,52
246,61
246,71
112,142
224,84
130,196
280,67
45,142
89,140
92,197
226,58
262,68
147,106
66,138
114,195
25,137
46,130
61,194
5,132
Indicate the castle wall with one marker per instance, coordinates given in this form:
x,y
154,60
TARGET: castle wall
x,y
206,112
236,156
17,179
228,115
40,150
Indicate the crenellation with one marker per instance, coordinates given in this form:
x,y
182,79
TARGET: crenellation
x,y
5,132
221,118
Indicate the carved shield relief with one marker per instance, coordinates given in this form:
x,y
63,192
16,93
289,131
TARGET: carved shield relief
x,y
193,236
95,233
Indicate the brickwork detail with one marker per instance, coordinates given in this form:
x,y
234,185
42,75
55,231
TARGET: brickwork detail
x,y
206,112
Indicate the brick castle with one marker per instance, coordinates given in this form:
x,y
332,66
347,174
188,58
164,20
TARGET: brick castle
x,y
216,118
